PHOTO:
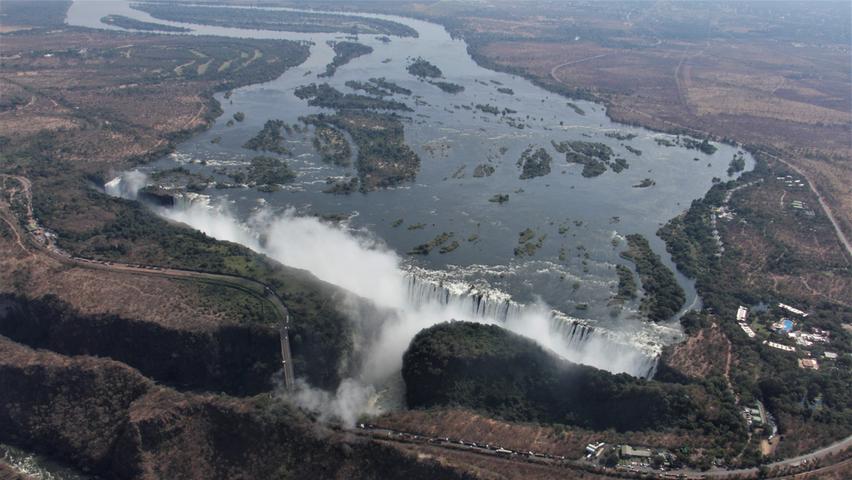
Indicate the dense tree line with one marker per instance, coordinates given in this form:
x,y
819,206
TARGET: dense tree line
x,y
663,296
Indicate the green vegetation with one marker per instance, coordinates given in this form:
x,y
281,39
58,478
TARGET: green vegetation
x,y
448,87
384,160
500,198
397,222
265,172
634,151
324,95
576,108
663,296
426,248
489,369
507,91
483,170
421,67
279,20
621,136
417,226
332,146
645,183
619,164
389,86
528,245
133,24
344,52
269,139
344,186
239,116
703,146
664,142
488,108
534,163
369,88
449,247
626,283
737,164
595,157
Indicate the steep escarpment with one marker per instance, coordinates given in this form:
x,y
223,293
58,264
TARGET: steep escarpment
x,y
495,371
237,359
107,418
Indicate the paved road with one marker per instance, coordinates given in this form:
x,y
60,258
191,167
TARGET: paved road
x,y
44,243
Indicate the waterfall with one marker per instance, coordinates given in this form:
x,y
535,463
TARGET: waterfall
x,y
572,338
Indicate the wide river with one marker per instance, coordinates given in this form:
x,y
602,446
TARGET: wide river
x,y
582,220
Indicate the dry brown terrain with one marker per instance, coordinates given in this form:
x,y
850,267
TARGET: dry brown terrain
x,y
702,355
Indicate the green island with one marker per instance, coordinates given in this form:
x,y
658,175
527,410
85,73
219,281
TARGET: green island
x,y
384,159
179,178
663,295
448,86
595,157
576,108
499,198
528,244
626,283
634,151
269,139
264,172
324,95
483,170
703,146
645,183
489,369
619,164
344,52
368,87
239,116
391,87
506,90
332,146
621,136
422,68
341,186
439,240
534,162
737,164
133,24
488,108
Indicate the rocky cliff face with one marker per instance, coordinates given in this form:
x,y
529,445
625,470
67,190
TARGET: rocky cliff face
x,y
238,360
107,418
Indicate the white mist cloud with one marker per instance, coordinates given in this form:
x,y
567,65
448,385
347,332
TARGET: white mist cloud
x,y
126,185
